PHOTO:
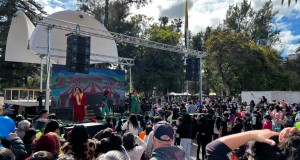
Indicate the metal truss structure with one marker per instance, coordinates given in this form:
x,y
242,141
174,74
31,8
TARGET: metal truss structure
x,y
84,30
96,58
87,31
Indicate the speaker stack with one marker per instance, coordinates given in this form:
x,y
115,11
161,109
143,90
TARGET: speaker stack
x,y
78,53
192,69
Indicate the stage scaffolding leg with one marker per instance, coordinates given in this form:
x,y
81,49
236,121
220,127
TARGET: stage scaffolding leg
x,y
130,82
40,98
200,91
49,28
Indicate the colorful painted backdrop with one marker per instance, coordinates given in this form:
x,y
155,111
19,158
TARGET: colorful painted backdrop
x,y
94,84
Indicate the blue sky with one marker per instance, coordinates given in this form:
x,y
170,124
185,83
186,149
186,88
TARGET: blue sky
x,y
207,13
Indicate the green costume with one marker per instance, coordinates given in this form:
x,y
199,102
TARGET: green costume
x,y
105,108
135,104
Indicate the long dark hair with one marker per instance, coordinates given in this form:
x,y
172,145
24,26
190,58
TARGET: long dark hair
x,y
115,142
78,137
78,89
28,135
106,93
186,119
128,141
6,154
134,121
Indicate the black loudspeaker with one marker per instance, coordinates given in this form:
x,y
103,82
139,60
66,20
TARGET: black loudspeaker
x,y
189,69
78,54
192,69
196,69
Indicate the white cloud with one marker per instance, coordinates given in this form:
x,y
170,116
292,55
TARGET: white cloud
x,y
288,42
52,6
202,14
51,10
207,13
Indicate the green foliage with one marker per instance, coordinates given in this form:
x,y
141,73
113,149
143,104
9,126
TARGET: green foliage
x,y
292,73
259,24
235,62
16,74
240,56
160,69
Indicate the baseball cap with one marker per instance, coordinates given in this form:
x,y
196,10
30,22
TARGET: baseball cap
x,y
163,131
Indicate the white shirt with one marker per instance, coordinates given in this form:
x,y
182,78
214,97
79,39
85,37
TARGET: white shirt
x,y
133,130
137,152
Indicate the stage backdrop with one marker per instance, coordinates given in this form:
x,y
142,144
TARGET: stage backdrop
x,y
94,84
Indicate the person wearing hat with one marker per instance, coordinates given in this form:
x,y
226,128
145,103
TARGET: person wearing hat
x,y
163,136
44,143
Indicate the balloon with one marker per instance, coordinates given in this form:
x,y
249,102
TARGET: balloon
x,y
38,135
7,126
298,125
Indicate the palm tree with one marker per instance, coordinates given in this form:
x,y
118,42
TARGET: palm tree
x,y
289,2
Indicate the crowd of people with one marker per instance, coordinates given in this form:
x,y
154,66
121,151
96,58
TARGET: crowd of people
x,y
222,129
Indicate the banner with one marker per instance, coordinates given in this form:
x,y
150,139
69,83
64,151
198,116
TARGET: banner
x,y
94,84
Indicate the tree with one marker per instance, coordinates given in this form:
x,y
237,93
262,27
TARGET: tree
x,y
298,49
16,74
94,6
234,63
198,41
292,73
260,24
160,69
177,23
289,2
163,21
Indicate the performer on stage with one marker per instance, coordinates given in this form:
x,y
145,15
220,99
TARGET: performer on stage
x,y
104,105
135,103
80,104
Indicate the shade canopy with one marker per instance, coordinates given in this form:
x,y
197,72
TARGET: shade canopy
x,y
99,45
17,47
25,41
